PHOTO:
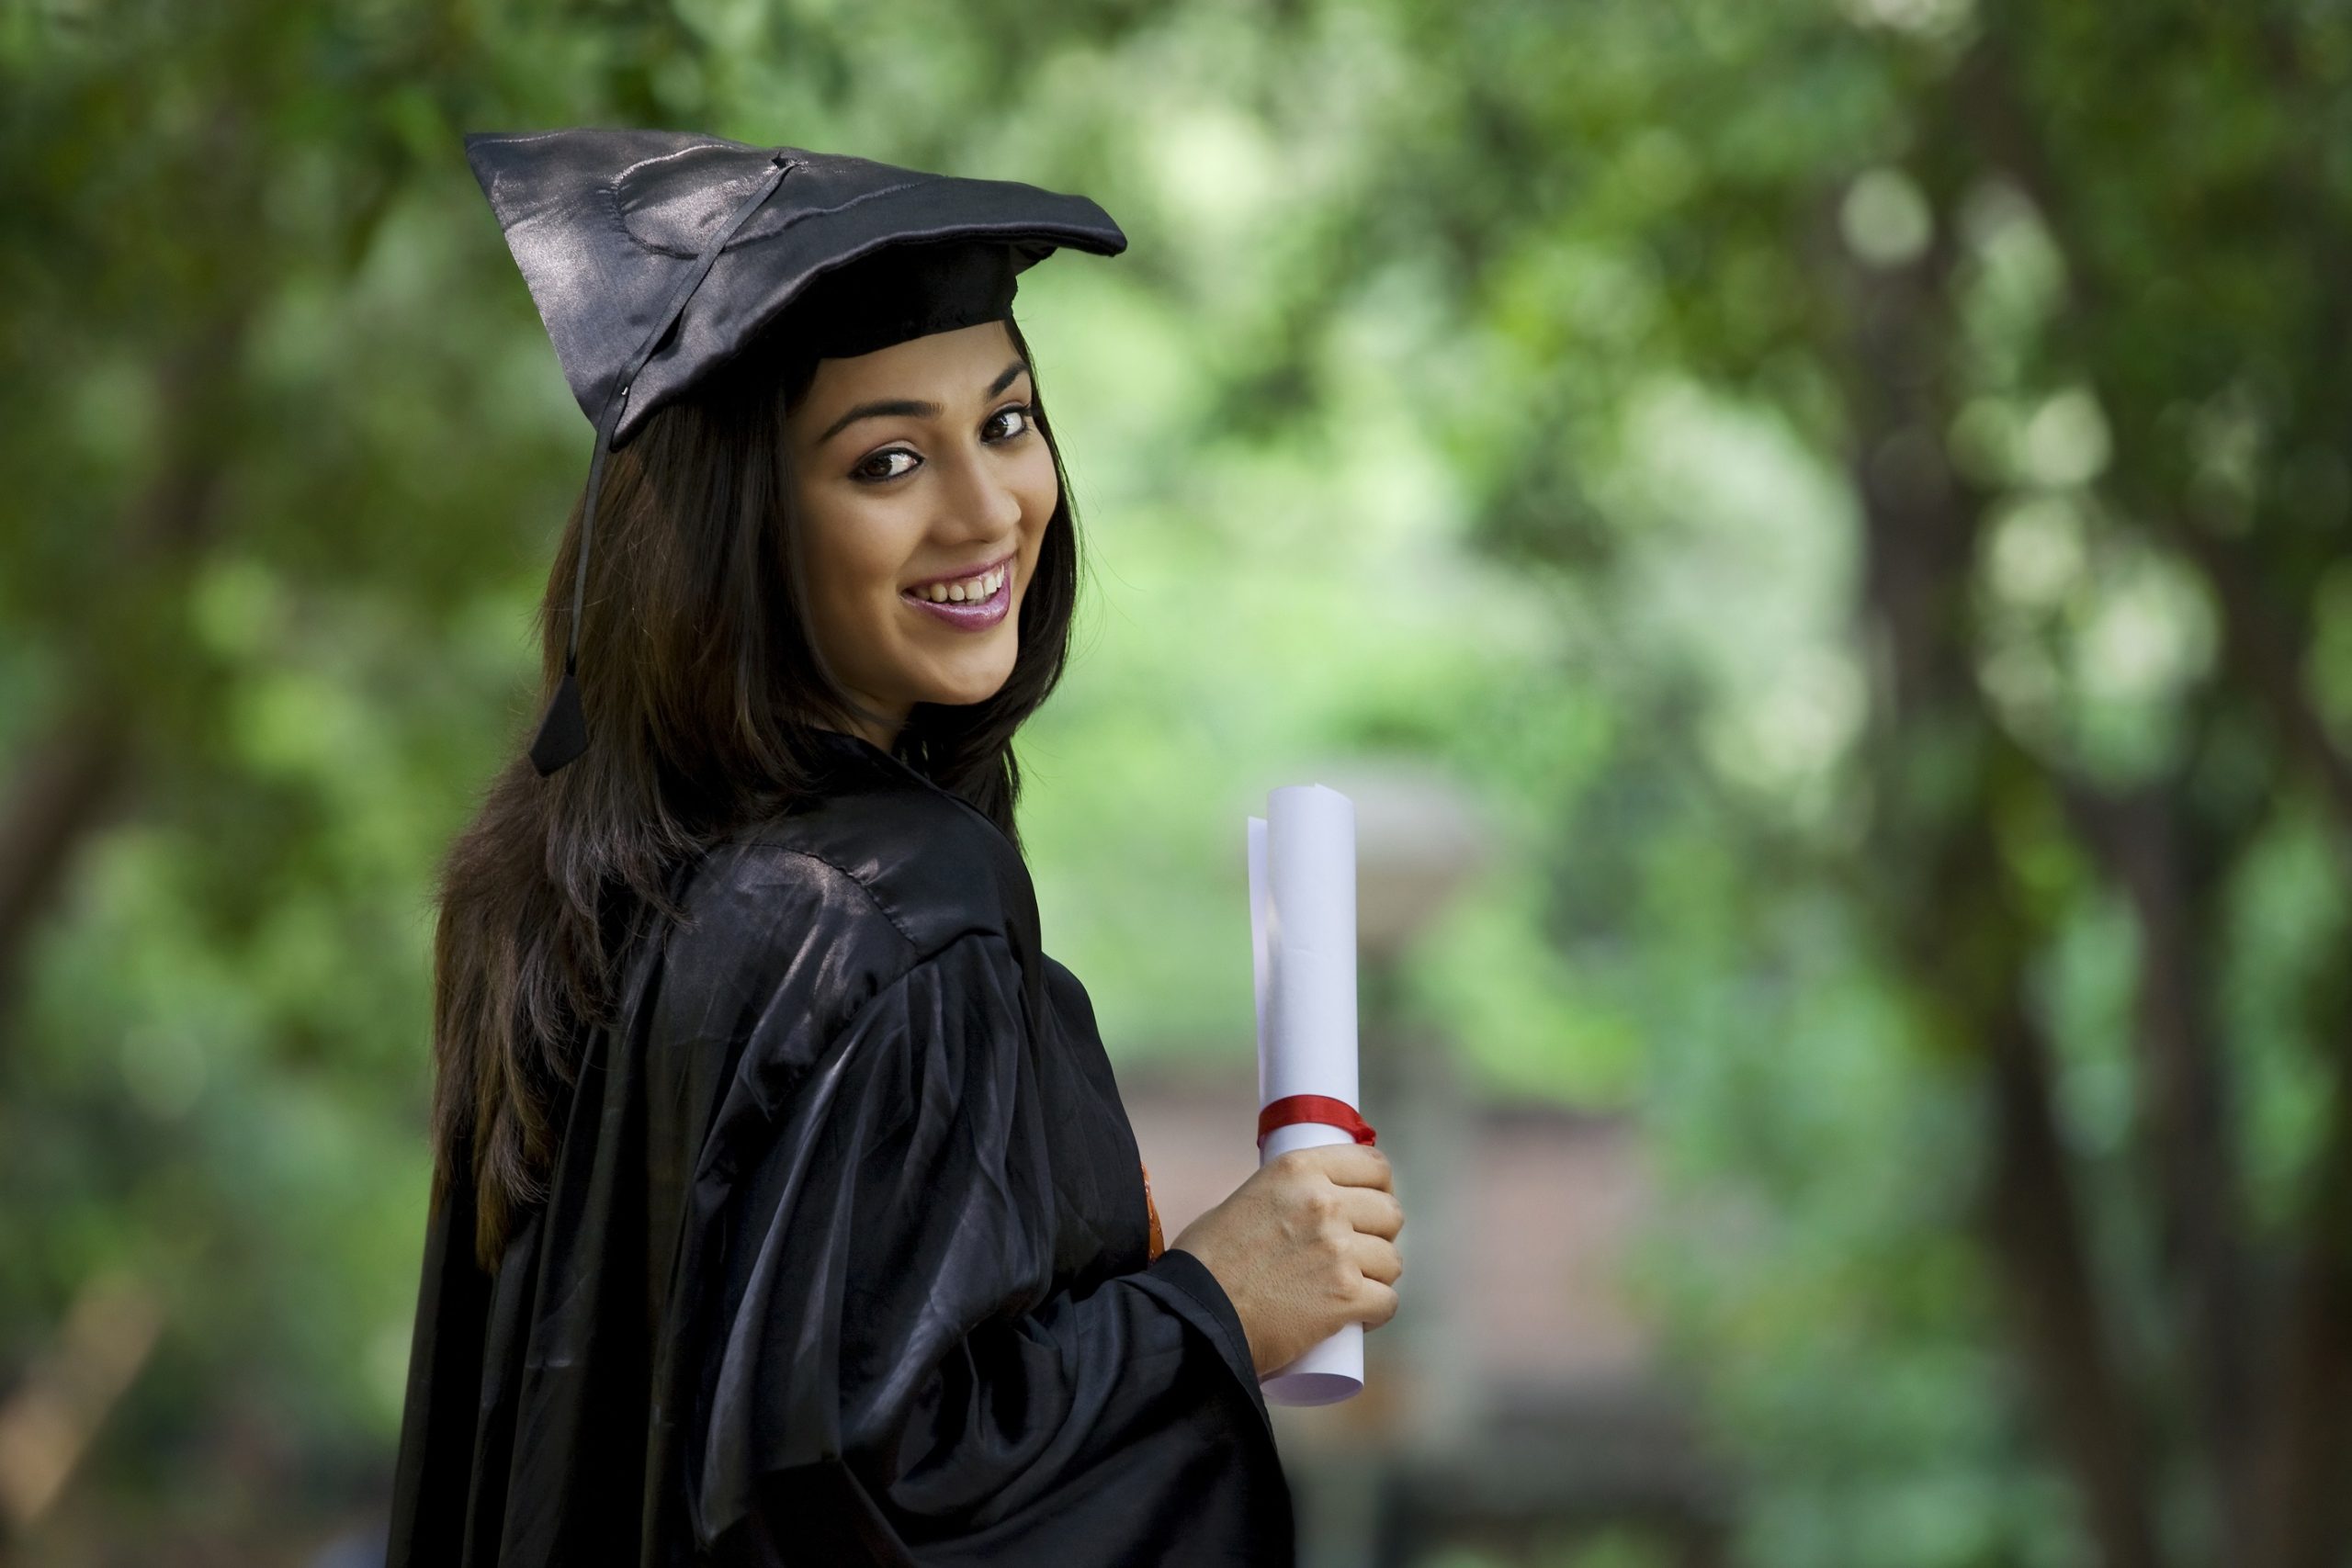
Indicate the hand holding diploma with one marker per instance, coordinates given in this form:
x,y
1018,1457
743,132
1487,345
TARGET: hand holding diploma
x,y
1305,1248
1306,1251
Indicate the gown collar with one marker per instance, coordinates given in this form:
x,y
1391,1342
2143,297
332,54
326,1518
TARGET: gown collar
x,y
857,749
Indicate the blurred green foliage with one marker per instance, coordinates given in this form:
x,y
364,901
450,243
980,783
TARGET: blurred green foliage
x,y
1857,490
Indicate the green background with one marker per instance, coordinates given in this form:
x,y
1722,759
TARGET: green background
x,y
1856,494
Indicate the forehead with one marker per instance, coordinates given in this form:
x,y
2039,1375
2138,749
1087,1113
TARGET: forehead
x,y
941,366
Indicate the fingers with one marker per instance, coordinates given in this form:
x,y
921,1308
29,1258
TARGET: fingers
x,y
1350,1164
1372,1210
1377,1259
1379,1304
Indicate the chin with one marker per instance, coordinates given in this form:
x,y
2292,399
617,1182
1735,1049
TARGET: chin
x,y
963,696
965,691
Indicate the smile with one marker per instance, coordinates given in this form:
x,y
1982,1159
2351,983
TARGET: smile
x,y
972,603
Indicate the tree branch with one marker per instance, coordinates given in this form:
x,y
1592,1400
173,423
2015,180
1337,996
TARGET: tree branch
x,y
2188,1145
72,776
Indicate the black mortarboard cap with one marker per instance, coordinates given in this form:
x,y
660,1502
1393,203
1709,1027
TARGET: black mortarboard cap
x,y
654,257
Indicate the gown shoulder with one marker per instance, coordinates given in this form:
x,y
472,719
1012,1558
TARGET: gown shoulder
x,y
923,1312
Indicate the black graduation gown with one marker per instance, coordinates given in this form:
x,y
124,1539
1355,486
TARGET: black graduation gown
x,y
845,1255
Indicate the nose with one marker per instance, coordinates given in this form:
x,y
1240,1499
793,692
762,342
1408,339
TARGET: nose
x,y
979,504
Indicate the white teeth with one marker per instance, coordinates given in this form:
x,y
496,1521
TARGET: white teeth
x,y
970,590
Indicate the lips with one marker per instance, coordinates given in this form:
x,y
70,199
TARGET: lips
x,y
971,615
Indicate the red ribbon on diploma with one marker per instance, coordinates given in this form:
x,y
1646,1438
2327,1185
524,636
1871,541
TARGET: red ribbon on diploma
x,y
1292,1107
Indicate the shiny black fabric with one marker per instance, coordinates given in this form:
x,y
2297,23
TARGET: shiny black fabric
x,y
845,1256
902,292
605,223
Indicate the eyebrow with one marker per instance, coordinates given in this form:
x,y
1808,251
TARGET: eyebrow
x,y
911,406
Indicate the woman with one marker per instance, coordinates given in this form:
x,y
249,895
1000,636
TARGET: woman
x,y
784,1209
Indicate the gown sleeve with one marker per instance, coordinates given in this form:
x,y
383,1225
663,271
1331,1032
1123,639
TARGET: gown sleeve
x,y
903,1365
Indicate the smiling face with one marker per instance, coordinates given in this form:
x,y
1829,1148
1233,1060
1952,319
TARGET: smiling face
x,y
924,489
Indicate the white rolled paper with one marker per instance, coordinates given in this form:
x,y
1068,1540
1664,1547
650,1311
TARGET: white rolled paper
x,y
1303,940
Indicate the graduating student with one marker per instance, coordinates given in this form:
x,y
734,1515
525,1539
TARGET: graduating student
x,y
784,1209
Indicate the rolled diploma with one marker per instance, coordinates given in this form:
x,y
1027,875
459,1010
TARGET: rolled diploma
x,y
1302,940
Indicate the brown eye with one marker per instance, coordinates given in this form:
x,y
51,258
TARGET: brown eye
x,y
865,470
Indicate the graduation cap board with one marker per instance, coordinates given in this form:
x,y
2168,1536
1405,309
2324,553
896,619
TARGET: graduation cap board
x,y
655,256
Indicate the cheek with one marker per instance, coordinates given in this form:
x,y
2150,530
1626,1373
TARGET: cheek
x,y
850,549
1040,490
852,571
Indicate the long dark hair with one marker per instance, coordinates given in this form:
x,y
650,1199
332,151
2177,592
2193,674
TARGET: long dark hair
x,y
700,686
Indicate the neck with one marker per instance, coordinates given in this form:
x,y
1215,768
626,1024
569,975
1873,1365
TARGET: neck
x,y
878,723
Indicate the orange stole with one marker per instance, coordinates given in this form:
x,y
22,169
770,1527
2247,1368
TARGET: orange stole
x,y
1152,1210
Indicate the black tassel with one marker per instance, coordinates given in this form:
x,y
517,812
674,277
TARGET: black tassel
x,y
563,733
